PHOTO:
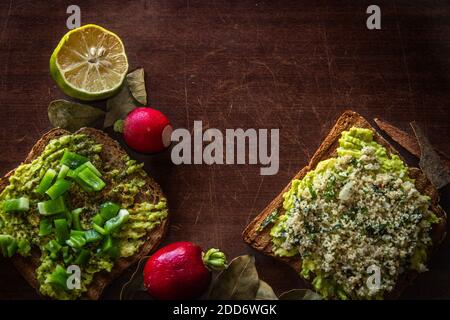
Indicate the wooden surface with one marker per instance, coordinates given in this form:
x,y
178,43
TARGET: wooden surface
x,y
292,65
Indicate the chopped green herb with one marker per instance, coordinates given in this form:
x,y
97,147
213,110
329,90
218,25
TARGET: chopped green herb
x,y
268,220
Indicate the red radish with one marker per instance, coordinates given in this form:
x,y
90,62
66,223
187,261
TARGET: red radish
x,y
147,130
179,271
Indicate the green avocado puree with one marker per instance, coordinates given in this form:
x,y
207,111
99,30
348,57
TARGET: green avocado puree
x,y
124,186
351,144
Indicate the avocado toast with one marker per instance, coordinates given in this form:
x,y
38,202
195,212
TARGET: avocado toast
x,y
126,184
356,207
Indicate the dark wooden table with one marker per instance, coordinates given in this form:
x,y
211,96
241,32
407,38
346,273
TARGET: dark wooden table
x,y
292,65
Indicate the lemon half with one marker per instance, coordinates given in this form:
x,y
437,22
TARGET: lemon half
x,y
89,63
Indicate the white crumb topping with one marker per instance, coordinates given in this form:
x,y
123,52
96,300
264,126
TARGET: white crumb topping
x,y
356,216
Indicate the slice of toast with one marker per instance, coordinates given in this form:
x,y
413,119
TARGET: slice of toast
x,y
262,241
112,153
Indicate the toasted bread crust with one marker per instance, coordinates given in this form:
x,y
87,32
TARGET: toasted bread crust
x,y
111,152
262,241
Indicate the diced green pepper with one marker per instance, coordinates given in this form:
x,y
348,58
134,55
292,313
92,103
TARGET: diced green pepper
x,y
109,247
83,184
46,181
8,245
91,179
71,174
18,204
93,168
58,188
58,277
67,257
76,224
64,215
45,227
63,171
53,247
68,216
77,233
90,166
73,160
109,210
98,220
61,230
92,236
99,229
115,223
83,257
65,250
53,206
76,241
107,243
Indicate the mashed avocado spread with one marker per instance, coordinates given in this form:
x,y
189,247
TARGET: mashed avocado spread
x,y
351,214
33,224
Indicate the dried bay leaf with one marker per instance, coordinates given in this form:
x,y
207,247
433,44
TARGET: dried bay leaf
x,y
118,106
406,140
71,115
265,292
136,83
401,137
136,282
239,281
300,294
430,162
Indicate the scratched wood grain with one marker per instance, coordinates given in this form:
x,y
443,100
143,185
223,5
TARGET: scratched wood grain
x,y
292,65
